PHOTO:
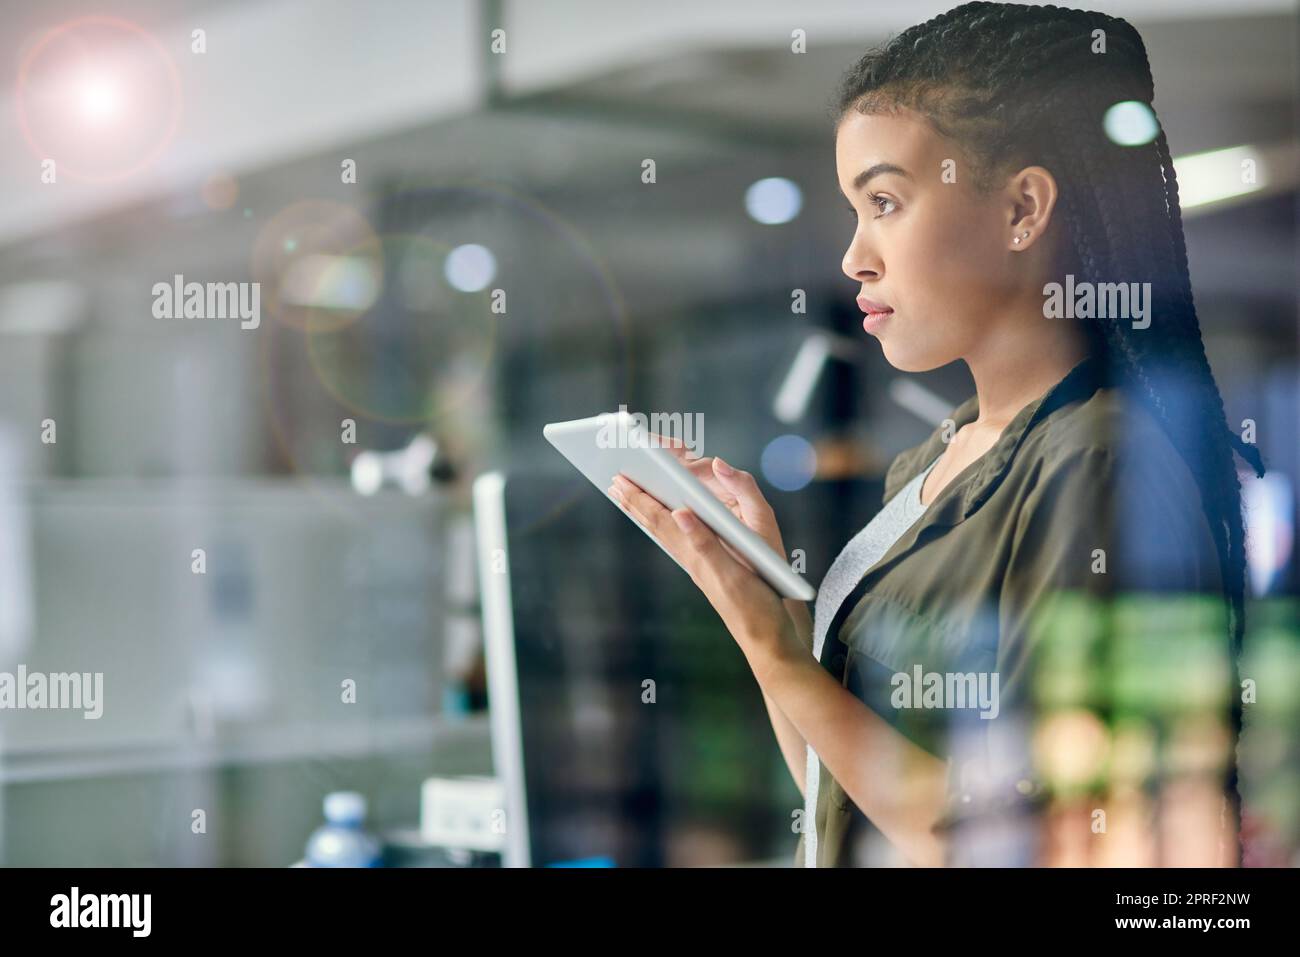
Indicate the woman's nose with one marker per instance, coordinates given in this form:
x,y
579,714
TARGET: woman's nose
x,y
855,267
859,262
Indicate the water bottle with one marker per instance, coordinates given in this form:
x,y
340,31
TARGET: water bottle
x,y
343,841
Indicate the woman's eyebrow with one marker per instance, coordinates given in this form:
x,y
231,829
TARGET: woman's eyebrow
x,y
878,169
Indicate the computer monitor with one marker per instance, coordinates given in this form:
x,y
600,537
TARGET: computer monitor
x,y
627,729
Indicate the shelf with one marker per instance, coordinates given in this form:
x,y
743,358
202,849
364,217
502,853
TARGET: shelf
x,y
395,736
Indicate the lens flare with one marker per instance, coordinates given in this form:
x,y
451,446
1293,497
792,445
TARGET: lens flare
x,y
319,265
100,97
219,191
388,364
425,351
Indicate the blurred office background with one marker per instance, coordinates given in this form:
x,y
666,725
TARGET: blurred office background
x,y
333,555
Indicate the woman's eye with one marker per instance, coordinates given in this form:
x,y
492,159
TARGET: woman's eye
x,y
880,202
853,213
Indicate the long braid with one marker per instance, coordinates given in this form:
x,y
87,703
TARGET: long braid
x,y
1019,85
1122,344
1236,537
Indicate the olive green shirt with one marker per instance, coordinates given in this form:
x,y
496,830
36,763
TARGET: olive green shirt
x,y
1082,498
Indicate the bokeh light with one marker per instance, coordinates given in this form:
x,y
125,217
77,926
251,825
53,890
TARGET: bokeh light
x,y
1130,123
100,99
367,473
773,201
789,462
421,355
319,264
386,364
470,267
219,191
99,96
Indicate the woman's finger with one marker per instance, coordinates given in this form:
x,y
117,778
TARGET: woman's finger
x,y
738,491
739,558
754,508
702,468
702,540
735,489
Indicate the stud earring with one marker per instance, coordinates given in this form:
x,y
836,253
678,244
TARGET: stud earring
x,y
1016,240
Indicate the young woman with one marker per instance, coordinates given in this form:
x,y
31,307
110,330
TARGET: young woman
x,y
1093,463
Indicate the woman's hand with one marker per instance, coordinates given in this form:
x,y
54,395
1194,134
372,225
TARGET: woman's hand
x,y
753,613
735,489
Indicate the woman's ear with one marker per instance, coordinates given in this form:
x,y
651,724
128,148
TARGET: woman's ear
x,y
1030,199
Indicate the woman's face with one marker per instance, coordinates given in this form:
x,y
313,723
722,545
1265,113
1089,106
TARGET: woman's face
x,y
926,243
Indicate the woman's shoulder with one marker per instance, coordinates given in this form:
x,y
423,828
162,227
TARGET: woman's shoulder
x,y
1108,461
1115,434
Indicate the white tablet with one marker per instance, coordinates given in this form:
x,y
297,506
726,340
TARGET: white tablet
x,y
607,445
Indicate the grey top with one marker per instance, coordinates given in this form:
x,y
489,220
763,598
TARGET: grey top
x,y
866,548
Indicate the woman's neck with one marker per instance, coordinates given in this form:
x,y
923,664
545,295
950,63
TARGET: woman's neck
x,y
1013,370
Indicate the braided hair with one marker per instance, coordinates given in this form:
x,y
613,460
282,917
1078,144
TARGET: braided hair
x,y
1021,85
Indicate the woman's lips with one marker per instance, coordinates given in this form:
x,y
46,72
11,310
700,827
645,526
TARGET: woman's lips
x,y
874,320
876,313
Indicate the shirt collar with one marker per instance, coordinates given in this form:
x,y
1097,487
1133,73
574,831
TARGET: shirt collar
x,y
965,493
